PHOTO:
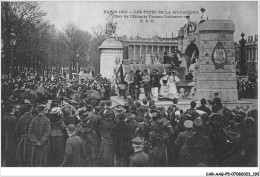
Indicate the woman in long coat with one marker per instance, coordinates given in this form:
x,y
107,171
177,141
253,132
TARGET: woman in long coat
x,y
164,85
173,93
86,130
57,137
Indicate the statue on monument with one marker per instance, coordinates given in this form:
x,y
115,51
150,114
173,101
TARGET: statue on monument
x,y
110,26
243,69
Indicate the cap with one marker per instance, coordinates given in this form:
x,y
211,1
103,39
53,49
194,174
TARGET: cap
x,y
55,110
188,124
137,140
41,107
71,128
164,73
202,9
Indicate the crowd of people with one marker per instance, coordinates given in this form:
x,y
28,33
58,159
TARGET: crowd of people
x,y
248,88
91,132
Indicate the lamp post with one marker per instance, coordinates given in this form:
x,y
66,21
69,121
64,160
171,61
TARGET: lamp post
x,y
12,47
77,61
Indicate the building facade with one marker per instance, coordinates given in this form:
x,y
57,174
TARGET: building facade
x,y
251,49
141,49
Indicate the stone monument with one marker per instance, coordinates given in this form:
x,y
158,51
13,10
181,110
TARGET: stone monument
x,y
111,50
216,75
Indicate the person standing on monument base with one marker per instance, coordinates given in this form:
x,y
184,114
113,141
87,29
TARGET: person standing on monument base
x,y
204,16
173,79
137,84
146,82
155,84
129,79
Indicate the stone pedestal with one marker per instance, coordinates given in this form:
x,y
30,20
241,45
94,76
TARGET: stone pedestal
x,y
213,81
111,54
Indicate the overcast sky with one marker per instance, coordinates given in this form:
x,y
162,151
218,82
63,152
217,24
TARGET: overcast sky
x,y
91,14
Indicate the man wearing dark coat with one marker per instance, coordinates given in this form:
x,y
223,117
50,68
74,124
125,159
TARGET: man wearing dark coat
x,y
107,146
8,126
139,158
198,147
122,141
39,133
203,106
24,148
73,148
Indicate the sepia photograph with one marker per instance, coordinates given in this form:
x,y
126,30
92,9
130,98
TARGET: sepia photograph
x,y
129,84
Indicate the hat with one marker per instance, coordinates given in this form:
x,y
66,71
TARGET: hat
x,y
177,113
102,104
164,73
188,16
98,108
192,103
41,107
131,116
137,140
86,113
200,112
231,135
82,109
202,9
71,128
26,101
133,108
159,120
119,109
89,108
108,103
121,116
55,110
188,124
175,101
138,104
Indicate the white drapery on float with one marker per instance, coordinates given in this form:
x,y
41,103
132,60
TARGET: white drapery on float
x,y
125,69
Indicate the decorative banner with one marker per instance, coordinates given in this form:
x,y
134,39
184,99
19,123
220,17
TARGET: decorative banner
x,y
219,56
